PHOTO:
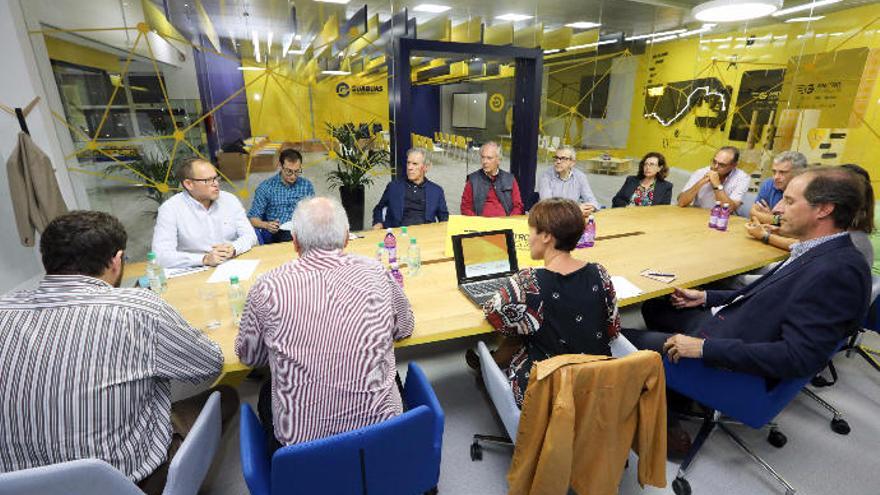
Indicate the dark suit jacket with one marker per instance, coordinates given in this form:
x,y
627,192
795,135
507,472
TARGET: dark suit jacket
x,y
393,199
787,323
662,192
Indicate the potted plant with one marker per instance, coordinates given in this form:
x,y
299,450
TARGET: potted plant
x,y
356,157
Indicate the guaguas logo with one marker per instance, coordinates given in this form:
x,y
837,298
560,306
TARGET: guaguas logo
x,y
343,90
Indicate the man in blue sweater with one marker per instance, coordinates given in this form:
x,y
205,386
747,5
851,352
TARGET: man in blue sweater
x,y
413,201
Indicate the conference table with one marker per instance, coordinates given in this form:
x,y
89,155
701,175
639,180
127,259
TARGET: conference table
x,y
665,239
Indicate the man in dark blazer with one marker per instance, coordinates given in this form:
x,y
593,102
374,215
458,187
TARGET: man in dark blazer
x,y
413,201
787,323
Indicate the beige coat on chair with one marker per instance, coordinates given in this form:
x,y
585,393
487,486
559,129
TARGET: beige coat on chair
x,y
36,198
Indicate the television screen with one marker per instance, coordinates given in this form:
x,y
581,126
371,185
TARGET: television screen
x,y
469,110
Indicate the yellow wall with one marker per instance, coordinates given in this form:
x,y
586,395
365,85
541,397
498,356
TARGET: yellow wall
x,y
81,55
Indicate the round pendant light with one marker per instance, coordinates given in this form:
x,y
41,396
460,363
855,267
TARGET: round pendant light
x,y
734,10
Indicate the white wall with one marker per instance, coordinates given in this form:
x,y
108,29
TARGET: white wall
x,y
19,265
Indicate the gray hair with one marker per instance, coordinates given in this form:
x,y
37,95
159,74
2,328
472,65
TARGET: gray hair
x,y
497,148
569,149
797,159
320,223
421,151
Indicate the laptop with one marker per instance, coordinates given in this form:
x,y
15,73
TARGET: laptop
x,y
482,261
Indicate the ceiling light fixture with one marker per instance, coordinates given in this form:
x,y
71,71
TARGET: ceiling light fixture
x,y
805,19
655,35
703,29
806,6
431,8
248,68
734,10
662,38
340,2
513,17
256,39
336,72
583,25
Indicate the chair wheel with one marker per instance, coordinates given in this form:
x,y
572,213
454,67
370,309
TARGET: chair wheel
x,y
476,451
840,426
777,439
681,486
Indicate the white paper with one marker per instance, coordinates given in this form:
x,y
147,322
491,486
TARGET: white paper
x,y
179,272
243,269
624,288
288,225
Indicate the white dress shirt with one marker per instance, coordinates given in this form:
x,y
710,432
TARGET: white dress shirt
x,y
186,230
735,185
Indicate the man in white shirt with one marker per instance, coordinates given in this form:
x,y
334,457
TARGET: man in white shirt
x,y
201,225
721,181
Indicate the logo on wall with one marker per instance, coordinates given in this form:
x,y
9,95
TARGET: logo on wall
x,y
343,90
496,102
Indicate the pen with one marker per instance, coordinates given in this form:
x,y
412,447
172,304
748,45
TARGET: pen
x,y
658,274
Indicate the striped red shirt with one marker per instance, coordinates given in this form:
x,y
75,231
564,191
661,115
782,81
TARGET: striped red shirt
x,y
326,324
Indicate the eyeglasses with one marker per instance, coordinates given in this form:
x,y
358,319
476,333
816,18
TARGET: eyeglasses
x,y
721,164
562,158
209,180
288,172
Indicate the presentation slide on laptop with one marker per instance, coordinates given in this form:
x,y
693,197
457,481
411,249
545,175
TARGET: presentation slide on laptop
x,y
484,255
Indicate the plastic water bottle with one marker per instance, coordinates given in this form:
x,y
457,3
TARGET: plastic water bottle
x,y
714,214
236,299
588,238
391,245
156,274
380,252
723,217
414,258
395,273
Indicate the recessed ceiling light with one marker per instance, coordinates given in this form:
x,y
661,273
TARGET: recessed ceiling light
x,y
335,72
583,25
431,8
244,68
806,6
805,19
513,17
734,11
655,35
341,2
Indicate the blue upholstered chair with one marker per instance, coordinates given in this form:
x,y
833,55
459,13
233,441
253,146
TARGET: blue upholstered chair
x,y
263,236
872,322
400,455
96,477
741,397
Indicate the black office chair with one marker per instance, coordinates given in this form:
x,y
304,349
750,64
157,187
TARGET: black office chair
x,y
532,200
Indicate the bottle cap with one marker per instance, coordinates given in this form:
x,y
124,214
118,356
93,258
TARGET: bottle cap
x,y
726,205
381,244
389,230
412,240
151,256
233,279
403,229
718,203
394,265
590,217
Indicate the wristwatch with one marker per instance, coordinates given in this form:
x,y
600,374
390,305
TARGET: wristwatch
x,y
719,187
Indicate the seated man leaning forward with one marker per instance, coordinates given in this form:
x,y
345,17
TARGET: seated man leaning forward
x,y
94,362
787,323
326,325
491,192
277,197
201,225
721,181
785,165
413,201
565,181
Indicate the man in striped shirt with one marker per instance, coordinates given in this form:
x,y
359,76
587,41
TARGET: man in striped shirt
x,y
94,362
326,325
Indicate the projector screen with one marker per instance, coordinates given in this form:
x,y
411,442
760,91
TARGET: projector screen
x,y
469,110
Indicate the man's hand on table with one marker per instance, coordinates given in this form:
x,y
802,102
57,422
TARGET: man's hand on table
x,y
218,254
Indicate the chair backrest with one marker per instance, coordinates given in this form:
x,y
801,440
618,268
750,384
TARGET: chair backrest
x,y
81,477
194,457
745,207
254,456
400,455
741,396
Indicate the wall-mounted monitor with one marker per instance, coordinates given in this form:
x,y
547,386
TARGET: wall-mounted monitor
x,y
469,110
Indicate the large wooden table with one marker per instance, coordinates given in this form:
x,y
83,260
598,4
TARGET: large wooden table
x,y
663,238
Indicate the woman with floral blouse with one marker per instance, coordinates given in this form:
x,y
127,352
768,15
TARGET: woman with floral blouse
x,y
568,307
649,187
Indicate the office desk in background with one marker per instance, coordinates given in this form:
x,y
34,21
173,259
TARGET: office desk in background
x,y
667,239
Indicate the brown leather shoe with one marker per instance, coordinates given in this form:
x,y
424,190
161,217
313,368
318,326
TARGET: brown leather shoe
x,y
678,442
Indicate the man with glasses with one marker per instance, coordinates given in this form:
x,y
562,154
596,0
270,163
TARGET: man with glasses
x,y
413,201
565,181
277,196
491,192
721,181
201,225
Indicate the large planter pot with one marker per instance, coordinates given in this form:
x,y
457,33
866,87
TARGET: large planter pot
x,y
353,202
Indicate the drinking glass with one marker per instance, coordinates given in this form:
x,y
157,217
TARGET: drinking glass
x,y
208,299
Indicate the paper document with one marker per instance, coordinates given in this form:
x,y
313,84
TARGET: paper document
x,y
243,269
624,288
179,272
288,225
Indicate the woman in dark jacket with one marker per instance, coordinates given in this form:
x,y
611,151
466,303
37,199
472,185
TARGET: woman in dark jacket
x,y
649,187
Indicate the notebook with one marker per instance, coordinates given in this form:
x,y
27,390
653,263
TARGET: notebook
x,y
482,261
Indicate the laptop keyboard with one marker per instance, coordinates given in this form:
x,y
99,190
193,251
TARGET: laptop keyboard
x,y
482,291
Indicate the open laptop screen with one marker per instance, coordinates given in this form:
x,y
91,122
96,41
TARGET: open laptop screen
x,y
484,255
